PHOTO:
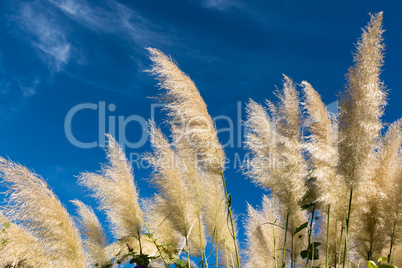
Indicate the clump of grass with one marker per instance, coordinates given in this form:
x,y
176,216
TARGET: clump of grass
x,y
316,179
40,214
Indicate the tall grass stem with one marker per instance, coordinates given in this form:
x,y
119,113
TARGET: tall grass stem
x,y
326,256
228,201
347,224
273,229
284,242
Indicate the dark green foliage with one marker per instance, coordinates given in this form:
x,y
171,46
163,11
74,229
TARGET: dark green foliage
x,y
308,253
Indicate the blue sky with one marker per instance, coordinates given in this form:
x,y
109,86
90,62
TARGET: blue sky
x,y
57,54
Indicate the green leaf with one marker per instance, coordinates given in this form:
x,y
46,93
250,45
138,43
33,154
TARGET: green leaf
x,y
148,234
309,252
306,206
380,259
301,227
371,264
385,266
180,263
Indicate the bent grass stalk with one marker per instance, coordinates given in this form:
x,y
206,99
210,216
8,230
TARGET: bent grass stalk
x,y
390,248
188,253
326,256
310,240
347,224
284,242
231,220
156,245
340,245
201,243
273,229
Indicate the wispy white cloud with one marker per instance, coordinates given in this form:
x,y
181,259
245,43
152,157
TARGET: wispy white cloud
x,y
116,19
93,17
29,90
45,34
12,85
222,5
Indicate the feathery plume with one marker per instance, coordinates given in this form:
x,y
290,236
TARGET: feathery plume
x,y
276,146
188,113
362,105
19,246
260,235
158,220
95,238
115,190
392,176
260,140
278,160
373,213
34,206
291,159
323,154
168,178
215,212
129,244
190,120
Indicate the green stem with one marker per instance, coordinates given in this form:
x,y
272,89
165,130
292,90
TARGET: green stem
x,y
370,253
392,242
201,243
188,254
273,226
390,253
284,242
139,242
310,238
345,255
336,240
231,220
156,245
291,254
326,256
340,245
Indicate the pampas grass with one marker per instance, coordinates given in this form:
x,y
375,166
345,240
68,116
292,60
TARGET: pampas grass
x,y
116,192
362,105
314,166
323,153
187,112
277,160
190,120
33,206
168,178
95,241
275,143
20,246
261,244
